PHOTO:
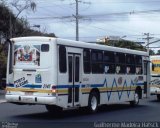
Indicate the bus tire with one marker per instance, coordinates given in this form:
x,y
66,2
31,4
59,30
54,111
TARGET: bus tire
x,y
53,109
158,97
93,102
136,99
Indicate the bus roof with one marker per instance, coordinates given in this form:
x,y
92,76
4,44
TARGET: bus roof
x,y
155,56
79,44
31,38
99,47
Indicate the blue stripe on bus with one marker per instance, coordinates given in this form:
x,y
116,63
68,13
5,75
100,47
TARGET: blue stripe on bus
x,y
10,85
140,84
83,86
26,86
66,86
97,85
32,86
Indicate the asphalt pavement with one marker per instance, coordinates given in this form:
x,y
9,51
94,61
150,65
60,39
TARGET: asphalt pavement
x,y
2,96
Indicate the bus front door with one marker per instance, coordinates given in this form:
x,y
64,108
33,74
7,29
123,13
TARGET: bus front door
x,y
73,79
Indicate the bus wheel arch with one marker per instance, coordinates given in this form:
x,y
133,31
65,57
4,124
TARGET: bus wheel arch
x,y
53,109
139,91
158,97
93,100
137,96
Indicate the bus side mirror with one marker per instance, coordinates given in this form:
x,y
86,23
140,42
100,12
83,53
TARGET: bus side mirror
x,y
10,56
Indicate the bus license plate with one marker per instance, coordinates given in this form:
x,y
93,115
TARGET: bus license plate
x,y
29,93
27,99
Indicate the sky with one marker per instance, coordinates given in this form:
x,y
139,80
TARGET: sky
x,y
127,19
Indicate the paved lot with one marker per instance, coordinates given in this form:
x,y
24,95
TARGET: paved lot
x,y
148,110
2,96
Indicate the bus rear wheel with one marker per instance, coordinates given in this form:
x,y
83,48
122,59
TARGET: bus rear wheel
x,y
136,100
93,102
158,97
53,109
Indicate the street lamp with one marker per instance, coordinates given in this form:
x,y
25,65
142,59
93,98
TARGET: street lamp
x,y
36,26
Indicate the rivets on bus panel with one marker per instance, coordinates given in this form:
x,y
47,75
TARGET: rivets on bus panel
x,y
35,99
19,98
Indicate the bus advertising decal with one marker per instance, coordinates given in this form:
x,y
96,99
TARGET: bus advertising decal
x,y
27,54
38,78
20,82
155,82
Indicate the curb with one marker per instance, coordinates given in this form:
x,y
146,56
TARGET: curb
x,y
2,92
3,101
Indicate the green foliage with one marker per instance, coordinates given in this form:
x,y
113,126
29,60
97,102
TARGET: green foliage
x,y
151,52
3,61
158,52
124,44
9,23
4,19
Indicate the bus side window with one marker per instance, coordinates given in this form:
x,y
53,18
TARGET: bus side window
x,y
45,47
62,59
120,63
138,61
86,61
109,62
130,64
97,62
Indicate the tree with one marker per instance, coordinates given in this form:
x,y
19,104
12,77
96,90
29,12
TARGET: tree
x,y
23,29
5,15
28,4
151,52
158,52
124,44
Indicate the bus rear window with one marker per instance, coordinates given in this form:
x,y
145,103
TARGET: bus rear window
x,y
27,54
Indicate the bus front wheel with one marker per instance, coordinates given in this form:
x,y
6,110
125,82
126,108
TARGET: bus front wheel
x,y
136,100
158,97
93,102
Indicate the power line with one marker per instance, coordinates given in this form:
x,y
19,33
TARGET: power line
x,y
100,15
96,17
125,2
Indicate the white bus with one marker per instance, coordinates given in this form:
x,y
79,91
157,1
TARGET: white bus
x,y
64,74
155,76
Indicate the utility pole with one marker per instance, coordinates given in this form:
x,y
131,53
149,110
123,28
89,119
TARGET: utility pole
x,y
77,17
148,40
77,21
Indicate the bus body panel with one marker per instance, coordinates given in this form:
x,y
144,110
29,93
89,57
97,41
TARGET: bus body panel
x,y
32,80
70,86
155,75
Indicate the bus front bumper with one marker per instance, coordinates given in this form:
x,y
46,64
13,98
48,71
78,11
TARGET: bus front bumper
x,y
31,99
154,90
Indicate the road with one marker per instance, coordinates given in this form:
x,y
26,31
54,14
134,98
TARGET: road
x,y
147,110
